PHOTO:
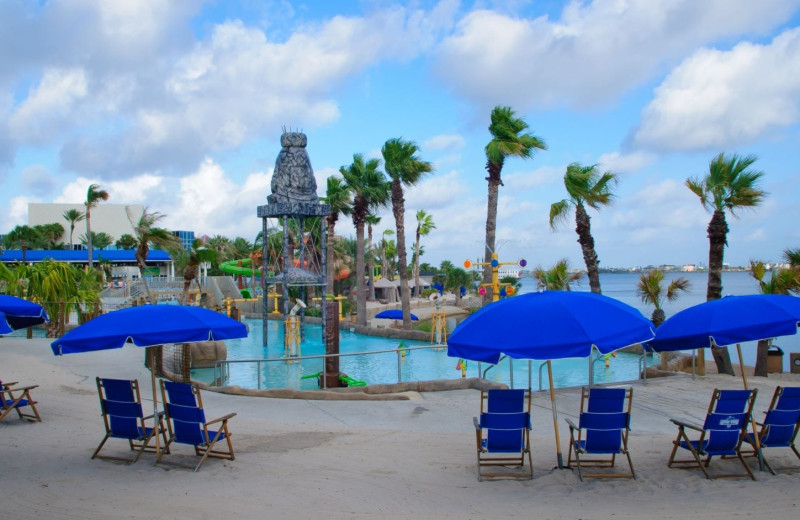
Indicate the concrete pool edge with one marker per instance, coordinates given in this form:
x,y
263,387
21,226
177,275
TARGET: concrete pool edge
x,y
380,392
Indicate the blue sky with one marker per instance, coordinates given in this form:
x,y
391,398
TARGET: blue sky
x,y
179,106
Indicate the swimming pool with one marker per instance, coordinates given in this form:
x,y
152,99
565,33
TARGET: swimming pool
x,y
417,364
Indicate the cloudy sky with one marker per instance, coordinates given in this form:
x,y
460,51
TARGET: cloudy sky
x,y
179,106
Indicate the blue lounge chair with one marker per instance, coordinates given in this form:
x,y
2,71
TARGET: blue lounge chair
x,y
186,421
722,433
18,398
123,418
602,431
780,426
502,433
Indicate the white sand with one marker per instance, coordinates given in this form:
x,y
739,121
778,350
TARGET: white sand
x,y
357,459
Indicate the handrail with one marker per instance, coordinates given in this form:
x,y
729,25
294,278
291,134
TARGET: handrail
x,y
219,364
540,373
502,357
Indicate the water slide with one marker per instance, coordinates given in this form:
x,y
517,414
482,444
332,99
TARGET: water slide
x,y
234,267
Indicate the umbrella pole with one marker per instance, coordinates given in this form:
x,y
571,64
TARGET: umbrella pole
x,y
559,458
151,352
756,440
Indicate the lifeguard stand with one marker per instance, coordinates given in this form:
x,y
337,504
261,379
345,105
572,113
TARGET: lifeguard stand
x,y
294,231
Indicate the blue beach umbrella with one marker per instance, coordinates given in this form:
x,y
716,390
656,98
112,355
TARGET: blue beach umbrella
x,y
149,326
394,314
727,321
549,325
16,313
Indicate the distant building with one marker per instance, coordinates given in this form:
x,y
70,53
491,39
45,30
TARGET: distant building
x,y
690,268
114,219
186,238
123,263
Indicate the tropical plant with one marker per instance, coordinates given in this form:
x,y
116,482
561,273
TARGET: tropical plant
x,y
126,242
24,238
512,282
147,234
586,186
792,256
650,289
339,197
387,252
405,169
509,139
424,226
370,191
372,220
93,197
73,216
455,279
729,185
781,281
99,240
197,255
556,278
51,234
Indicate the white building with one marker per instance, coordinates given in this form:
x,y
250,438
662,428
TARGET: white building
x,y
114,219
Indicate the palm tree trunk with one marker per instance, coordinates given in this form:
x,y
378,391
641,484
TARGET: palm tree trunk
x,y
361,293
371,267
717,236
89,235
189,275
494,182
398,209
585,239
417,289
141,257
329,255
761,358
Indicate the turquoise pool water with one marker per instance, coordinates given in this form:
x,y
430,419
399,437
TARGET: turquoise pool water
x,y
416,365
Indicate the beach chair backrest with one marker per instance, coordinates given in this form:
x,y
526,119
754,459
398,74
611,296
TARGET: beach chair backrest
x,y
782,420
603,419
184,411
728,418
120,404
504,419
606,400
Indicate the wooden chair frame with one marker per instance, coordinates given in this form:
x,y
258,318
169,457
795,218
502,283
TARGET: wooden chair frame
x,y
16,398
124,418
607,415
722,411
783,414
504,419
194,412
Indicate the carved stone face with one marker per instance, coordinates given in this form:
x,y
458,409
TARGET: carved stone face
x,y
296,139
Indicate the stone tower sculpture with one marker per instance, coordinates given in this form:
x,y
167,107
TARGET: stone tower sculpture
x,y
299,261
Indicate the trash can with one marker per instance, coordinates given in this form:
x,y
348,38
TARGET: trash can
x,y
775,360
794,362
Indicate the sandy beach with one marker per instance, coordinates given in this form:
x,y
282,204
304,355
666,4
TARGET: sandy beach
x,y
356,459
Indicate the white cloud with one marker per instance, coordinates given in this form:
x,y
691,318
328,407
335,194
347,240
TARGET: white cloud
x,y
621,163
716,99
444,142
546,175
38,180
594,53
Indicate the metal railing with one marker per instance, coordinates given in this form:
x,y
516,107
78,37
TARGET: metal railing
x,y
222,367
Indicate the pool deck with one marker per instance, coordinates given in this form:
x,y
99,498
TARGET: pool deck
x,y
409,459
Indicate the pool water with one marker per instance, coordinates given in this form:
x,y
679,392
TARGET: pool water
x,y
417,365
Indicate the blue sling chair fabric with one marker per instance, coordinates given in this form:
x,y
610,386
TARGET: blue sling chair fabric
x,y
18,399
502,434
722,433
602,431
780,426
186,422
123,418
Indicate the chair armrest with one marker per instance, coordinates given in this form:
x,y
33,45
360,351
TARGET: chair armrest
x,y
222,419
160,415
477,423
18,388
684,424
12,383
571,424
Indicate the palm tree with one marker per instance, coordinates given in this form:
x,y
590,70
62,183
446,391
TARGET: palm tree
x,y
730,185
73,216
51,234
339,197
792,256
99,240
148,234
650,289
24,237
198,254
586,187
424,226
372,220
370,191
455,279
781,281
387,251
507,141
557,278
93,197
405,169
126,241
